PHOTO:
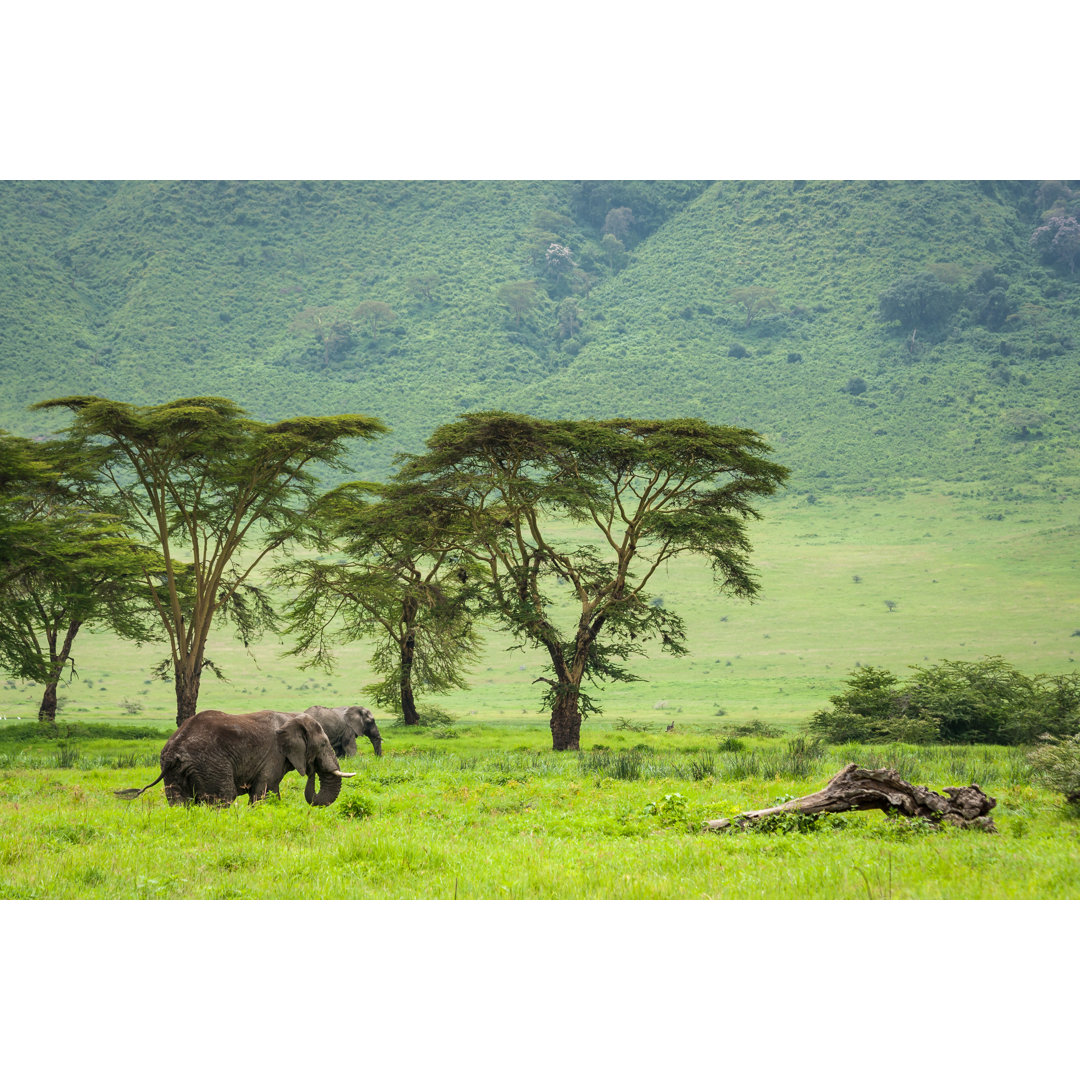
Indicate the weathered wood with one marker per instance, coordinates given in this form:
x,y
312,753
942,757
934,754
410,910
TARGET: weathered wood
x,y
854,788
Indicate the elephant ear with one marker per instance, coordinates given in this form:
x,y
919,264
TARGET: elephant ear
x,y
292,739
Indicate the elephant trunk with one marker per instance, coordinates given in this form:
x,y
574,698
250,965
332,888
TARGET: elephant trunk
x,y
376,744
329,787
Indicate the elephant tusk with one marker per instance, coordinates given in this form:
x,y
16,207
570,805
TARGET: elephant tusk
x,y
338,772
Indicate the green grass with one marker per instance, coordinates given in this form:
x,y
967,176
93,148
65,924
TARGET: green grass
x,y
490,815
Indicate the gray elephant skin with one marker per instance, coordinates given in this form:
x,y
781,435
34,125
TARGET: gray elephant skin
x,y
215,756
343,724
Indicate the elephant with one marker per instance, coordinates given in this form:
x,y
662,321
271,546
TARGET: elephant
x,y
344,723
215,756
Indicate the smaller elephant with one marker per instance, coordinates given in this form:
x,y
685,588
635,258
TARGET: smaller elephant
x,y
343,724
214,757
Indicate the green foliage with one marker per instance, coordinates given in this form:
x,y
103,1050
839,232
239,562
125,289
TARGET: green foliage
x,y
755,729
354,804
1057,765
923,303
671,809
984,701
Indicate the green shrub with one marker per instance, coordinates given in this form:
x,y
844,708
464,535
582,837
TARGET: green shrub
x,y
355,804
1057,765
956,701
755,729
672,809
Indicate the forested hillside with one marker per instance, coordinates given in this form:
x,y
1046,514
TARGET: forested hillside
x,y
879,334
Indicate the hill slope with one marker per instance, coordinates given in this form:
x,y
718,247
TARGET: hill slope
x,y
398,299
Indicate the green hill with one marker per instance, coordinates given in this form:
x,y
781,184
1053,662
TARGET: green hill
x,y
404,300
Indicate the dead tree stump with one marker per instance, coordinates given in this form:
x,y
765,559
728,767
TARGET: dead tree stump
x,y
854,788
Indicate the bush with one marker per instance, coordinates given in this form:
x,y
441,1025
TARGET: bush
x,y
354,804
984,701
755,729
1057,765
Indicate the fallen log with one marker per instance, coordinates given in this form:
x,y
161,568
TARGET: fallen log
x,y
854,788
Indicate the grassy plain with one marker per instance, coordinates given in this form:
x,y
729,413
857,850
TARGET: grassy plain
x,y
487,810
968,576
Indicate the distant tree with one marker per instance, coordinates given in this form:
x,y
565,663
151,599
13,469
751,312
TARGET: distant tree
x,y
1033,313
1024,423
374,314
1058,241
619,223
332,331
68,566
754,300
647,490
519,297
613,248
398,578
550,221
948,273
1052,194
921,303
215,493
989,301
558,261
569,318
422,285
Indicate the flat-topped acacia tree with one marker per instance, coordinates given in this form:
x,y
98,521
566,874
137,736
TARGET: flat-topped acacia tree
x,y
650,490
216,492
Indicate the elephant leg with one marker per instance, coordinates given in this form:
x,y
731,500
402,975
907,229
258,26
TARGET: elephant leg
x,y
257,792
348,746
219,794
176,795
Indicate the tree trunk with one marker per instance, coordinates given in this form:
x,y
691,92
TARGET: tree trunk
x,y
57,660
566,723
187,693
409,715
47,712
854,788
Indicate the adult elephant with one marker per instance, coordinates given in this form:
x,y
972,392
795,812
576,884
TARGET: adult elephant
x,y
215,756
343,724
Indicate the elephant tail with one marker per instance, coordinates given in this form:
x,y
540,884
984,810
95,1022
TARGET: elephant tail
x,y
135,792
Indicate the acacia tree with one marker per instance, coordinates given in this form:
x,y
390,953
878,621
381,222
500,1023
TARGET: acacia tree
x,y
520,297
66,565
753,299
215,492
375,314
403,581
650,490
